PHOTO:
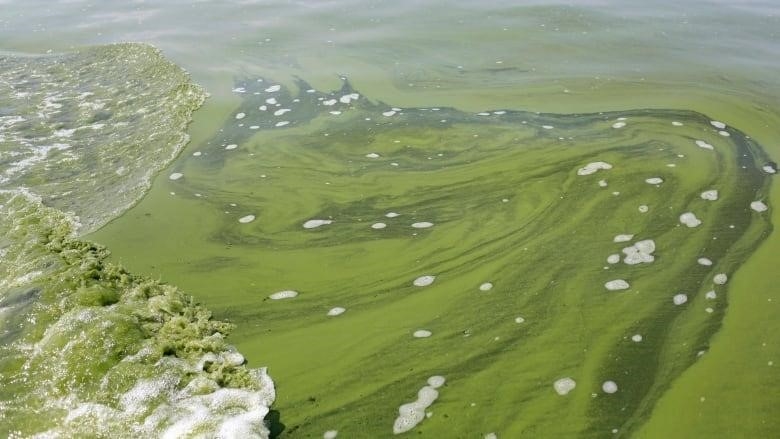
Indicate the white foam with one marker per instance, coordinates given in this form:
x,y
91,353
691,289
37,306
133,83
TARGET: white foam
x,y
711,295
336,311
613,258
286,294
654,180
240,116
411,414
679,299
487,286
422,333
282,123
281,111
718,125
616,285
636,338
724,133
197,154
392,214
422,225
758,206
388,113
246,219
330,434
618,125
710,195
424,281
262,108
329,102
270,101
378,226
643,208
346,99
231,146
622,238
548,127
519,319
593,167
436,381
769,169
314,223
273,88
704,261
564,385
176,176
373,155
690,220
609,387
640,253
491,436
677,124
335,113
720,278
703,144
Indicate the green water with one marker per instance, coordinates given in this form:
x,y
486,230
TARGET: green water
x,y
544,249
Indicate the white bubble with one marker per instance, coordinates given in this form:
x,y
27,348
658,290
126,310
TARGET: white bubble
x,y
422,333
231,146
703,144
273,88
286,294
422,225
336,311
392,214
519,319
176,176
724,133
593,167
314,223
718,125
711,295
613,259
720,278
548,127
436,381
758,206
240,116
197,153
491,436
373,155
377,226
281,111
679,299
654,180
710,195
564,385
636,338
270,101
246,219
677,124
388,113
282,123
704,261
487,286
330,434
329,102
618,125
617,284
690,220
643,208
622,238
603,183
609,387
424,281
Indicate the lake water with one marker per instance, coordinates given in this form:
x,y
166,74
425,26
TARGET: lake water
x,y
526,219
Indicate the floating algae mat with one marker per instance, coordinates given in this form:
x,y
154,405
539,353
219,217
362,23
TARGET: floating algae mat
x,y
88,349
542,273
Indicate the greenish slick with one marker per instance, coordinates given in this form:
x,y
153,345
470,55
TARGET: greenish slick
x,y
507,207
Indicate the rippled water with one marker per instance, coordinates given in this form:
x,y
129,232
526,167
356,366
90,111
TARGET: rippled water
x,y
511,202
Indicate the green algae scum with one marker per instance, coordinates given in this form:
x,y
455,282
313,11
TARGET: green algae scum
x,y
323,263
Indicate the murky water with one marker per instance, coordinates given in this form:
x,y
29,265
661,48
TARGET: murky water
x,y
518,198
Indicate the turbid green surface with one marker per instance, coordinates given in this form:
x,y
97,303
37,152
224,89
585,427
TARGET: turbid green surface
x,y
508,207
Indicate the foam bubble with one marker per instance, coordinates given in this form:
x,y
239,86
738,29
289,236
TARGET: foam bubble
x,y
654,180
281,111
677,124
314,223
377,226
240,116
176,176
422,225
710,195
491,436
593,167
422,333
487,286
231,146
282,123
602,183
609,387
613,258
618,125
643,208
273,88
330,434
690,220
270,101
703,144
758,206
711,295
679,299
548,127
392,214
411,414
246,219
769,169
641,252
636,338
519,319
424,281
718,125
329,102
622,238
373,155
720,278
704,261
286,294
388,113
616,285
197,153
336,311
564,385
724,133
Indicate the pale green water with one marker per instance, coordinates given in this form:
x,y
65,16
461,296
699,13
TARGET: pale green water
x,y
652,64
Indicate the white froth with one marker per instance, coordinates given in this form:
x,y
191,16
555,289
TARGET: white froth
x,y
273,88
548,127
491,436
643,208
262,108
176,176
654,180
758,206
564,385
616,285
724,133
636,338
718,125
603,183
373,155
711,295
436,381
487,286
690,220
197,153
613,258
677,124
336,311
609,387
519,319
622,238
618,125
378,226
392,214
270,101
422,333
703,144
704,261
769,169
710,195
240,116
281,111
388,113
424,281
335,112
411,414
286,294
329,102
330,434
679,299
314,223
639,253
720,278
282,123
231,146
422,225
593,167
246,219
